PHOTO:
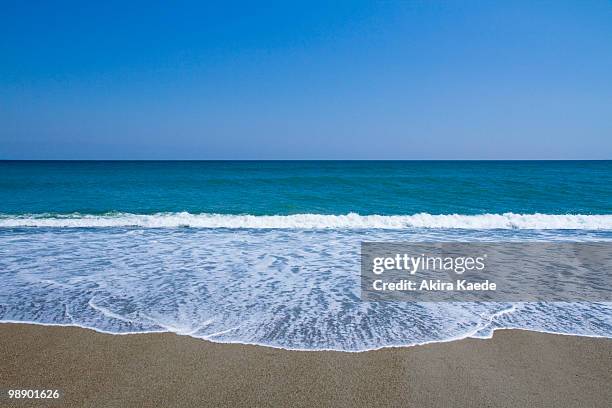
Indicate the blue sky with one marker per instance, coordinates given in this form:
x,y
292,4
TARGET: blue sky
x,y
348,80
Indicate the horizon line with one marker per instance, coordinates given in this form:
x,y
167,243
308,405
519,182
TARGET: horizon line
x,y
298,160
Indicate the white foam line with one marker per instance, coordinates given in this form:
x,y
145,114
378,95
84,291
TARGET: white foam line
x,y
81,326
176,329
104,311
219,333
297,349
313,221
489,320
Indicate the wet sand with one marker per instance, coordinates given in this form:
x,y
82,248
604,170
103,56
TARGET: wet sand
x,y
515,368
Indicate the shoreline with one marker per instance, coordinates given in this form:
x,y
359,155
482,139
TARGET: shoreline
x,y
238,343
514,368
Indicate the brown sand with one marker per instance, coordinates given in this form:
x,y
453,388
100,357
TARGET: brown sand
x,y
514,369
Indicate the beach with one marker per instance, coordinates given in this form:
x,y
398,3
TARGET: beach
x,y
514,368
92,252
176,246
333,204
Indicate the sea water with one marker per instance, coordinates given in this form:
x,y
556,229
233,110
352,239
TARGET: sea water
x,y
269,252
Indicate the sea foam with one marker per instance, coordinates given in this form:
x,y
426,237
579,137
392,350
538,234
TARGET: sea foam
x,y
314,221
288,288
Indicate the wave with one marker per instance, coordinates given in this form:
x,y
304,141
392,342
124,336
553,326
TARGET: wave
x,y
312,221
293,289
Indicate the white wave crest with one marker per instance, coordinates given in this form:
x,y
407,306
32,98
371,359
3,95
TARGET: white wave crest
x,y
312,221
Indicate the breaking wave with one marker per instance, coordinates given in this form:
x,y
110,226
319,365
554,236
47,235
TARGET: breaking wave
x,y
312,221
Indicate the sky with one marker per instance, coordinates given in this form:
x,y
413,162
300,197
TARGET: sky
x,y
313,80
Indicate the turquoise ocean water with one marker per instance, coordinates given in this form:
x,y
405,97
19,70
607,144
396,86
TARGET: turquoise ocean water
x,y
325,187
268,252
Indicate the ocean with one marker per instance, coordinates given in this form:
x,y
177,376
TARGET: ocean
x,y
268,252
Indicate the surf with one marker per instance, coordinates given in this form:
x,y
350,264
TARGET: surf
x,y
506,221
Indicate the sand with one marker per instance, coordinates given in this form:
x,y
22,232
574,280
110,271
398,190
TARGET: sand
x,y
515,368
